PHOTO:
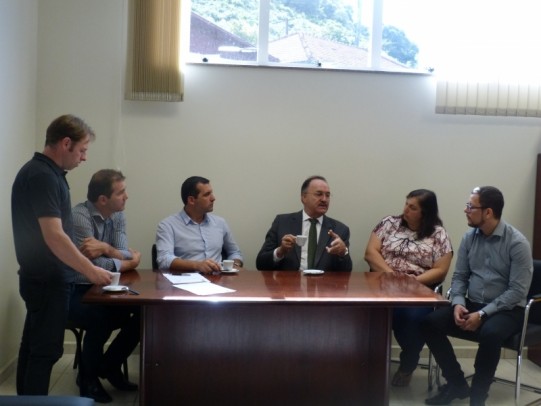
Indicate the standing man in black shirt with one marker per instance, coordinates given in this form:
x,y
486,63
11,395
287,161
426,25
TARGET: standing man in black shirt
x,y
42,229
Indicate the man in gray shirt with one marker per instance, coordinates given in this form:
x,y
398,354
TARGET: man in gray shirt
x,y
488,294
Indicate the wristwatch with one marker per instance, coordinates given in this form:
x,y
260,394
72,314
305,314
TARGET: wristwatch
x,y
482,315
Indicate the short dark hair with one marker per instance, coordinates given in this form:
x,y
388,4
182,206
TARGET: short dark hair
x,y
429,211
189,187
490,198
307,182
68,126
102,182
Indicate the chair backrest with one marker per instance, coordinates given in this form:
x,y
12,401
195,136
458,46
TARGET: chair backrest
x,y
535,289
154,257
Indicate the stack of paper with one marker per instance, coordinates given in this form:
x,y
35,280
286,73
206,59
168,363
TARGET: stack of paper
x,y
196,283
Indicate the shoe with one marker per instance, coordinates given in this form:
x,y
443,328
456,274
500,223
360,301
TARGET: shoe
x,y
477,399
477,402
119,381
448,394
401,379
93,389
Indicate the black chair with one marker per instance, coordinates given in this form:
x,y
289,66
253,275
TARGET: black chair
x,y
154,257
79,332
528,336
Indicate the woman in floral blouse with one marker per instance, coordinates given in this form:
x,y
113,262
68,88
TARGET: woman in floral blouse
x,y
416,244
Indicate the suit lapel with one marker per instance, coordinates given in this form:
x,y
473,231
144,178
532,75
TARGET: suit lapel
x,y
296,229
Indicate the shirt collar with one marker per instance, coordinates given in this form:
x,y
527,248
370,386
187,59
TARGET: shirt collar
x,y
92,210
187,220
44,158
498,231
306,217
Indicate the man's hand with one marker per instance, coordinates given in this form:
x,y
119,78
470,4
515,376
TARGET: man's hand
x,y
135,255
92,248
207,266
473,321
287,244
337,247
459,313
466,320
100,276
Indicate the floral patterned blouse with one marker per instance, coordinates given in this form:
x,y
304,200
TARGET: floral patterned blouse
x,y
403,252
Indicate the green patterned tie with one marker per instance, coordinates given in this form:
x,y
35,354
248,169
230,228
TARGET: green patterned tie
x,y
312,243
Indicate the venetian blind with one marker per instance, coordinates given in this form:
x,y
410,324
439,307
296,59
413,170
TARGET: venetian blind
x,y
154,64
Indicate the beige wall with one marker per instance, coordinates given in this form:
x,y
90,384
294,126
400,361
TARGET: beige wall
x,y
256,133
18,26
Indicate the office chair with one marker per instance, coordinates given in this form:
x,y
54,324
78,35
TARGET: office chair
x,y
154,257
79,332
529,335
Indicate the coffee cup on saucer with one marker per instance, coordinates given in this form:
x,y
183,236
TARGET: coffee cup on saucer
x,y
228,264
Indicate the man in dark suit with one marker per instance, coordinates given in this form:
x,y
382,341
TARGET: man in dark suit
x,y
280,251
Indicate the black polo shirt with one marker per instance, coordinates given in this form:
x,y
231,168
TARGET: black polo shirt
x,y
40,189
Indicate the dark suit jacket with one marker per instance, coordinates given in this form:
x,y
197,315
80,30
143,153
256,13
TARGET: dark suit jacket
x,y
292,224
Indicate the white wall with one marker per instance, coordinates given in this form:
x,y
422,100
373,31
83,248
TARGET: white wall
x,y
258,132
18,41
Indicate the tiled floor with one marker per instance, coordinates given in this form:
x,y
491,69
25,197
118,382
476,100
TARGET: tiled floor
x,y
63,383
500,394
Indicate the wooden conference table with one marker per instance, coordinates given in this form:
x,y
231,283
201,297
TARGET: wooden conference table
x,y
282,338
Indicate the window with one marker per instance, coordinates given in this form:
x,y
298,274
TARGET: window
x,y
317,33
486,54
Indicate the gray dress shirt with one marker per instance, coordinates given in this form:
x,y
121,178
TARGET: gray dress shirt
x,y
495,269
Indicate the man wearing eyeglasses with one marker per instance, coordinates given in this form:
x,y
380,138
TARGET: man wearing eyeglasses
x,y
488,294
327,239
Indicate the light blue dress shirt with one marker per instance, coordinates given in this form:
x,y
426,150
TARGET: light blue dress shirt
x,y
178,236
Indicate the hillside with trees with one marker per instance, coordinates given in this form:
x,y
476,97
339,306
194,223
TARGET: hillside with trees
x,y
326,19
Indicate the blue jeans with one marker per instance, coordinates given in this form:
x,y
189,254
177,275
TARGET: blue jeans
x,y
406,328
42,342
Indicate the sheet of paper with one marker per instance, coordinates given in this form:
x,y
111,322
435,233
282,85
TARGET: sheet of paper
x,y
204,288
192,277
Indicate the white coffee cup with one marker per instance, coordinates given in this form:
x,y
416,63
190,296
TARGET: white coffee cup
x,y
301,240
116,278
228,264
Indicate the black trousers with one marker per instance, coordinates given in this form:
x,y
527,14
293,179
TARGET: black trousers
x,y
42,342
491,335
99,322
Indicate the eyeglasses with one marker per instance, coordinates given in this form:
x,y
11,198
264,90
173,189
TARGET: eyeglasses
x,y
470,207
319,195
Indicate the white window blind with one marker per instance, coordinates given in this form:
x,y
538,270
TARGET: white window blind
x,y
489,98
490,58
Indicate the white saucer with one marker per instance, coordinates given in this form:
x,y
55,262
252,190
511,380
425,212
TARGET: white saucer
x,y
313,272
234,270
115,288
